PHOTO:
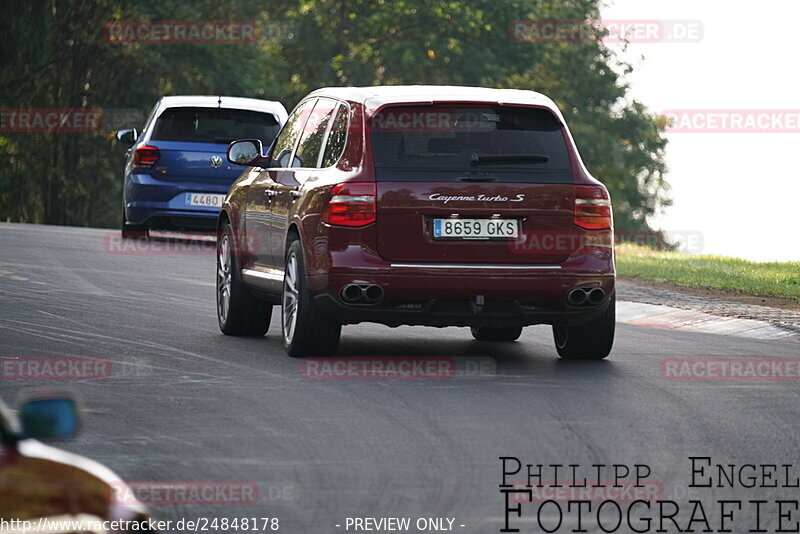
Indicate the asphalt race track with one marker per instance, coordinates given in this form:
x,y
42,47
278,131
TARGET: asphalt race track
x,y
186,404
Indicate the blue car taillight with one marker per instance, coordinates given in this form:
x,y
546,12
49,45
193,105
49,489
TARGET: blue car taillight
x,y
145,156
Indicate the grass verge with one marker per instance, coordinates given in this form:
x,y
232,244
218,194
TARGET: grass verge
x,y
773,279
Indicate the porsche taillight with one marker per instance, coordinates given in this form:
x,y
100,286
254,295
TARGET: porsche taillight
x,y
351,204
592,208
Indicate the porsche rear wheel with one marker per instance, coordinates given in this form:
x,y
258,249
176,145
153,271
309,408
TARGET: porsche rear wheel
x,y
239,312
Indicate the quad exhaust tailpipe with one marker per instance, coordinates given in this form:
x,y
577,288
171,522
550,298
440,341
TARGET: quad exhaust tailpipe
x,y
362,293
585,296
596,296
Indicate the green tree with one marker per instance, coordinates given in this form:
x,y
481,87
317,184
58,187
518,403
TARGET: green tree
x,y
620,141
56,56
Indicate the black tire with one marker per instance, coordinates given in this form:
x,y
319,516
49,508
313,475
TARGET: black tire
x,y
133,231
486,333
245,315
591,341
306,332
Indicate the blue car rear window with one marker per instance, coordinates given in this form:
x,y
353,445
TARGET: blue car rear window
x,y
211,125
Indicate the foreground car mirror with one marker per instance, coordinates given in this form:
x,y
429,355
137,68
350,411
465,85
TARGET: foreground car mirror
x,y
128,136
50,416
245,152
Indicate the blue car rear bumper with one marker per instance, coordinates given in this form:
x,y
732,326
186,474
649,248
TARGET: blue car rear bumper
x,y
164,204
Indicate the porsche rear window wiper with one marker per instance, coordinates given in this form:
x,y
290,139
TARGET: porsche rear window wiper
x,y
480,159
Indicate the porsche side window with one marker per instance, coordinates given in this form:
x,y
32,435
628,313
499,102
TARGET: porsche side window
x,y
336,138
308,149
287,139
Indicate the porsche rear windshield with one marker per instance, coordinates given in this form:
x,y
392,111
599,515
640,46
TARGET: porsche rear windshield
x,y
409,143
211,125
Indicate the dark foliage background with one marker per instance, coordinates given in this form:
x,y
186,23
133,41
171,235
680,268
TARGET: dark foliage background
x,y
55,55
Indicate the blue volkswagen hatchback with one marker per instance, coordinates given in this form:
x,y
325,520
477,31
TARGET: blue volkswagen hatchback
x,y
176,172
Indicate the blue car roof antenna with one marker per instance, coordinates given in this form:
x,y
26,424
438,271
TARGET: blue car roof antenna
x,y
219,101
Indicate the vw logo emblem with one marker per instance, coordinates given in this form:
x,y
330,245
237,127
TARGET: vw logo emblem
x,y
216,161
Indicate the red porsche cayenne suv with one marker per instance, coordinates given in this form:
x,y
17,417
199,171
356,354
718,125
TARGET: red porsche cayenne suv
x,y
418,205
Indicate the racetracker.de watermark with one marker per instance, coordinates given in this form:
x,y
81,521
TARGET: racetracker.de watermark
x,y
189,243
750,369
568,241
185,493
54,368
396,368
731,120
68,120
606,30
181,32
620,492
414,119
51,120
422,119
683,240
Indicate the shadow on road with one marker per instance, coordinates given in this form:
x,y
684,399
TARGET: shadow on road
x,y
479,359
